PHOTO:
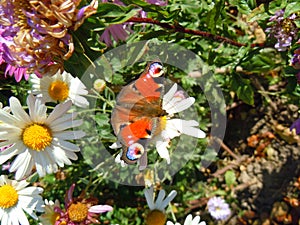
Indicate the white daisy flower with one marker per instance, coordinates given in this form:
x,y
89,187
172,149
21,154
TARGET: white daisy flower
x,y
173,102
16,198
189,221
60,88
157,215
37,139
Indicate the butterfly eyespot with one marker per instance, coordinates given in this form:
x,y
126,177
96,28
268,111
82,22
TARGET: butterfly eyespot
x,y
156,69
133,153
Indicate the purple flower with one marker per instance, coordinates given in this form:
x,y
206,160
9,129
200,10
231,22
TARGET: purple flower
x,y
283,29
17,72
298,77
79,210
296,124
296,59
158,2
7,165
143,14
117,31
34,35
120,32
218,208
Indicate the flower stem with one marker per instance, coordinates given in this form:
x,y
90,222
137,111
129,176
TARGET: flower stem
x,y
179,28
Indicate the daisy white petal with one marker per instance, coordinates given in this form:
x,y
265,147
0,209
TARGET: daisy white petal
x,y
180,105
168,199
115,145
189,221
58,111
161,147
65,118
171,223
22,165
118,160
187,127
65,135
18,111
37,110
149,197
7,118
169,95
66,145
66,125
159,199
11,152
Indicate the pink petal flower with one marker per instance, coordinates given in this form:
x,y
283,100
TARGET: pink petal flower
x,y
100,209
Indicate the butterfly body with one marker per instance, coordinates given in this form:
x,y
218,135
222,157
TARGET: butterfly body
x,y
135,118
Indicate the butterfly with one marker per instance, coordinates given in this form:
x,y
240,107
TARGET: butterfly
x,y
136,115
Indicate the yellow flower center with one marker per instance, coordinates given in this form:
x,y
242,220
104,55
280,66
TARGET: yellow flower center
x,y
156,217
63,223
58,90
8,197
163,122
287,25
37,136
78,212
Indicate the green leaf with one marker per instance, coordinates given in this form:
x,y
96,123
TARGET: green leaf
x,y
243,89
219,192
291,8
261,61
243,6
102,119
147,7
230,178
214,15
277,5
104,64
116,14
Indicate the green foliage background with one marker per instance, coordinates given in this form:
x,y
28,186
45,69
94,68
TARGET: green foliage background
x,y
237,70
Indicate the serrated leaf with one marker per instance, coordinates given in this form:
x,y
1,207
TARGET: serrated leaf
x,y
291,8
